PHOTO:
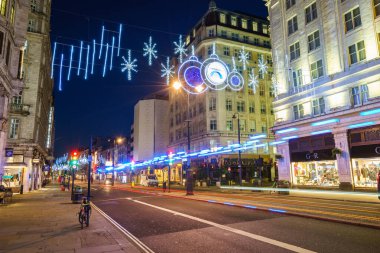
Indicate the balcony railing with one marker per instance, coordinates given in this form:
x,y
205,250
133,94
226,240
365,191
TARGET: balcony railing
x,y
20,109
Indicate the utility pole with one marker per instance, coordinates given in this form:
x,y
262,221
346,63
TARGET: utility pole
x,y
89,170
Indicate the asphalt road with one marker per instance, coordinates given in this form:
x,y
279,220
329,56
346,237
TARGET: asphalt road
x,y
167,224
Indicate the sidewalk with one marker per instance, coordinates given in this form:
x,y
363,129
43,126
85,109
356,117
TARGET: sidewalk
x,y
47,221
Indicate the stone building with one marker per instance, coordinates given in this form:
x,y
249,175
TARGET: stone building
x,y
31,119
212,115
328,70
13,25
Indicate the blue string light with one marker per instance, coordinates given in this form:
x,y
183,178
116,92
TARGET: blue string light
x,y
113,45
71,62
93,57
88,55
101,43
60,73
80,58
118,49
52,61
105,61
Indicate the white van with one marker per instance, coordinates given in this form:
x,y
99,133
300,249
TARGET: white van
x,y
149,180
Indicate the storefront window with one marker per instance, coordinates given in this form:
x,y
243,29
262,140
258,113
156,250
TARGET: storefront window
x,y
365,171
315,173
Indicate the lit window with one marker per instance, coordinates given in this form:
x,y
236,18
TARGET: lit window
x,y
240,106
316,69
229,126
233,21
352,19
213,125
3,7
16,100
222,18
297,78
14,128
262,90
318,106
12,16
290,3
254,26
265,29
229,105
292,25
251,107
244,24
359,95
357,52
311,13
212,105
314,41
295,52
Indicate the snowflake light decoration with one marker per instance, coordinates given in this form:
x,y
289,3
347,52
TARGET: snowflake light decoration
x,y
243,57
167,71
253,81
263,67
180,49
129,65
275,85
150,50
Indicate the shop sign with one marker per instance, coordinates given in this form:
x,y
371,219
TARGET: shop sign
x,y
36,160
317,155
46,167
367,151
8,152
234,162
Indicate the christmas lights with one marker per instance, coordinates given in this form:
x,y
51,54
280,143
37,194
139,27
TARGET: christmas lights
x,y
150,50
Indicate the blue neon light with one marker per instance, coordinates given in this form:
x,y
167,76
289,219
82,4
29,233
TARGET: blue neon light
x,y
260,146
364,124
258,137
80,57
211,201
321,132
113,45
290,137
118,48
276,142
87,58
277,210
52,61
105,62
250,207
60,73
93,57
71,63
325,122
101,43
288,130
228,203
370,112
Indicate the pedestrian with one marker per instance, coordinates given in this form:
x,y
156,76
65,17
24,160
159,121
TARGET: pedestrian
x,y
68,184
164,186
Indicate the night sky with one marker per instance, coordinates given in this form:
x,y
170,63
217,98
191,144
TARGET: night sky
x,y
104,106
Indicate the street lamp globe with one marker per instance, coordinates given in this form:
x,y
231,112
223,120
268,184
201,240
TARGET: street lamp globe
x,y
177,85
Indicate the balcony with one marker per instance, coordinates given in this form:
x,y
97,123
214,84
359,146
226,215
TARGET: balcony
x,y
20,109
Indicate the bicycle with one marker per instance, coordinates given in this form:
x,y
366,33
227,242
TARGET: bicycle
x,y
84,215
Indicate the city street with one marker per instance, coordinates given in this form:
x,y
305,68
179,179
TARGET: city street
x,y
168,224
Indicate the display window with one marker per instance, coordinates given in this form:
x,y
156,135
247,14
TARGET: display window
x,y
12,177
315,173
365,171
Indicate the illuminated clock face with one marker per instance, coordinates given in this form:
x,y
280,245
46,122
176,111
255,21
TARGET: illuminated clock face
x,y
216,73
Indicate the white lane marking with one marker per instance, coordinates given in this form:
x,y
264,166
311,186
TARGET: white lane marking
x,y
234,230
133,238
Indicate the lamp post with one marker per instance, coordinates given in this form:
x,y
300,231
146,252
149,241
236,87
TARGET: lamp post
x,y
116,141
236,115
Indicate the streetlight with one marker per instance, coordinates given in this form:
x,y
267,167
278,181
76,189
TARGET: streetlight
x,y
116,141
236,115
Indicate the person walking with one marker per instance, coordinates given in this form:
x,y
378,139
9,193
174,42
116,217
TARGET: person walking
x,y
164,186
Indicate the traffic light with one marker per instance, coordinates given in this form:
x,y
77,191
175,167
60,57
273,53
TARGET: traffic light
x,y
171,158
74,158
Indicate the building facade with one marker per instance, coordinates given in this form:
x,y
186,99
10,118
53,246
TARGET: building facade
x,y
13,25
328,70
212,115
31,124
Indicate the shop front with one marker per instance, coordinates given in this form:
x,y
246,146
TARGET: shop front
x,y
365,156
312,163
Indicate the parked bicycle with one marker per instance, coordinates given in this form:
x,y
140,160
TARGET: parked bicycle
x,y
84,213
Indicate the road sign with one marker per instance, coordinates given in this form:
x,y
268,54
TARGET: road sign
x,y
8,152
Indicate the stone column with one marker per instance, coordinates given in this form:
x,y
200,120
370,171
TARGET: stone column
x,y
343,161
284,163
3,127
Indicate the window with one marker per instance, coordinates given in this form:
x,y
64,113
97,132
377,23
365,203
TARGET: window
x,y
245,39
233,21
235,36
226,51
211,33
33,5
313,41
8,54
297,78
229,126
240,106
359,94
295,52
213,126
265,29
311,12
352,19
251,107
1,42
252,126
376,6
14,128
244,24
261,74
263,108
264,127
298,112
316,69
242,125
209,50
12,16
3,7
262,90
31,25
229,105
292,25
290,3
266,43
224,34
200,108
254,26
16,100
318,106
222,18
269,60
357,52
212,105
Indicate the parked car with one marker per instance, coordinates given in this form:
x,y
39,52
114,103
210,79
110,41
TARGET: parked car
x,y
149,180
